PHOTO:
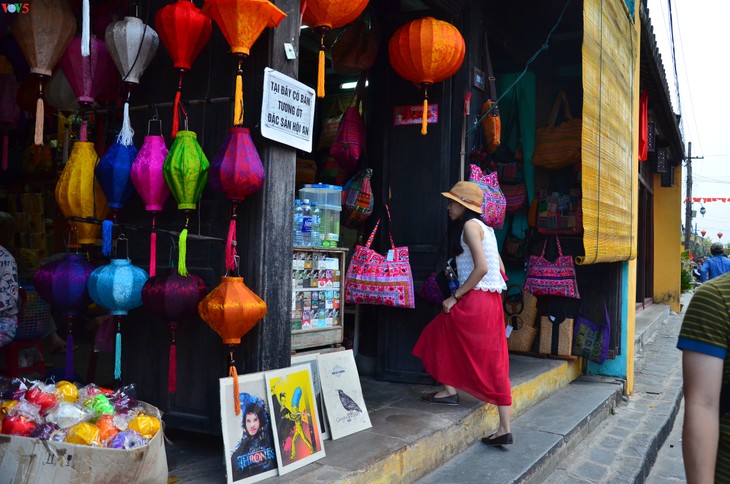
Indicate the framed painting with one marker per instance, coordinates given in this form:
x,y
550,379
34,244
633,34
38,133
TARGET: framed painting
x,y
342,394
297,435
248,438
311,361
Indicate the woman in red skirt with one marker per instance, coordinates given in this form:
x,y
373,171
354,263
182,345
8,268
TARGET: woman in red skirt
x,y
465,346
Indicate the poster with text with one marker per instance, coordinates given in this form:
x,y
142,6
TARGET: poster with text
x,y
248,438
311,361
297,437
342,394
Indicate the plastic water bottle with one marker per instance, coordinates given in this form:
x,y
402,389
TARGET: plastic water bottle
x,y
298,219
306,223
453,280
316,225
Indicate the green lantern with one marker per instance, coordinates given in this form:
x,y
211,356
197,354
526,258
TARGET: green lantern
x,y
186,173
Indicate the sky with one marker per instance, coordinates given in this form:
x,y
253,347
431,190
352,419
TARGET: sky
x,y
701,46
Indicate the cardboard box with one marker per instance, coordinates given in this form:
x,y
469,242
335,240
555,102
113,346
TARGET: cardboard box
x,y
23,459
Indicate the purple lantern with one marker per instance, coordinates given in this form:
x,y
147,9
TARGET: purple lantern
x,y
237,172
147,177
87,74
173,298
62,284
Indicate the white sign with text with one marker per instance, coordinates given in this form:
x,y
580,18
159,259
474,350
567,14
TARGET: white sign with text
x,y
287,110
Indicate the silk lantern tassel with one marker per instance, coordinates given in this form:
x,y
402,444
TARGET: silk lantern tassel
x,y
39,114
238,95
424,118
320,67
126,134
231,241
182,266
233,373
153,247
107,227
176,105
172,367
118,349
85,29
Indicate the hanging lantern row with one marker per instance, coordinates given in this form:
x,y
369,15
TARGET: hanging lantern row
x,y
707,200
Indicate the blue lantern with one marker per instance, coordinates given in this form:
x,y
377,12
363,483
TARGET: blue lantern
x,y
117,287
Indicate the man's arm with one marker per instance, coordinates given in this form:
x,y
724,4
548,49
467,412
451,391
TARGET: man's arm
x,y
703,270
702,385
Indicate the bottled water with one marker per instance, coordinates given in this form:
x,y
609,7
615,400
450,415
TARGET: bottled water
x,y
306,223
316,226
298,219
451,275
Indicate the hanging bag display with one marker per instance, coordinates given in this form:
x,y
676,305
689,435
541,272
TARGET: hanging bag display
x,y
494,204
556,335
558,146
491,123
356,48
373,278
514,248
520,311
552,278
357,199
590,340
349,142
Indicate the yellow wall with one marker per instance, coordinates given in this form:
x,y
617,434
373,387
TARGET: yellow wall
x,y
667,237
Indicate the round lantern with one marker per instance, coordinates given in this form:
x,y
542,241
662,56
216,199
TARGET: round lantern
x,y
132,45
147,177
325,15
232,309
186,173
173,298
117,287
79,195
43,34
426,51
62,284
184,31
237,172
242,22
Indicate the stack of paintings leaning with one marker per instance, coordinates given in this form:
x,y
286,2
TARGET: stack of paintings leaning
x,y
286,415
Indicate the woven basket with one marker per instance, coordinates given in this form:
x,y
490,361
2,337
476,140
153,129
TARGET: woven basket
x,y
556,338
522,337
33,323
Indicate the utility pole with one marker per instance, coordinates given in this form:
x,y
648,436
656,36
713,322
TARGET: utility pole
x,y
688,203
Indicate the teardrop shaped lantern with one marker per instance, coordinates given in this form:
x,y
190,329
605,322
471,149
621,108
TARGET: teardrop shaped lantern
x,y
62,284
132,45
237,172
173,298
149,180
719,235
232,309
43,34
325,15
117,287
703,232
184,30
242,22
86,75
78,194
186,173
426,51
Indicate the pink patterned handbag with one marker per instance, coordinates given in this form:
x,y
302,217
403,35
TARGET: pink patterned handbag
x,y
382,280
556,278
494,205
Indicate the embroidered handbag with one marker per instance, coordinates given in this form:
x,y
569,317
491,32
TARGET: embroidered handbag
x,y
515,196
590,340
357,199
494,205
435,288
551,278
349,142
373,278
558,146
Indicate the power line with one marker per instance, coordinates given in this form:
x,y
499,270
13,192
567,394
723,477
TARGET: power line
x,y
674,59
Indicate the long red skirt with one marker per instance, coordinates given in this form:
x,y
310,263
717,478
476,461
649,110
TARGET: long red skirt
x,y
467,348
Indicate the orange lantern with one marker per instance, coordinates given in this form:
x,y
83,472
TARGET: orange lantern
x,y
232,309
325,15
242,22
426,51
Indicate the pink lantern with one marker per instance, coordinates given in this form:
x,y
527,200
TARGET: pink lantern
x,y
237,172
87,75
149,181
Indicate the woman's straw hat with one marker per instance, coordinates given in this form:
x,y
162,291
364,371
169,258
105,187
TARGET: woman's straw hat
x,y
467,194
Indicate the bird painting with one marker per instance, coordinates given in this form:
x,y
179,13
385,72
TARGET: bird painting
x,y
348,403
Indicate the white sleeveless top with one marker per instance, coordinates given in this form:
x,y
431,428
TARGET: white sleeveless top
x,y
493,280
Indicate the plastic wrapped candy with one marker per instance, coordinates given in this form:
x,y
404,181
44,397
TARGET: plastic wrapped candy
x,y
84,433
67,391
12,388
58,436
107,428
91,390
6,406
125,399
18,425
44,431
44,400
99,405
146,425
129,439
66,415
26,409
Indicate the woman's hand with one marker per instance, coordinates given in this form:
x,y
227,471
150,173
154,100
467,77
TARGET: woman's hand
x,y
448,304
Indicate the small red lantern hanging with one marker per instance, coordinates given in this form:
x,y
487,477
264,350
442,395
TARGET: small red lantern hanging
x,y
719,235
703,232
184,31
242,22
426,51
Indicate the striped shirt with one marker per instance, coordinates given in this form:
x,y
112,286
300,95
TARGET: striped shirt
x,y
706,330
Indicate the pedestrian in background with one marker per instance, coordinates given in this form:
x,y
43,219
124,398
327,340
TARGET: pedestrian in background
x,y
703,340
465,346
716,265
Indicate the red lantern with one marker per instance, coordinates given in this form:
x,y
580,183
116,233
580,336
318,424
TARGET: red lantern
x,y
325,15
703,232
426,51
184,31
719,235
237,172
